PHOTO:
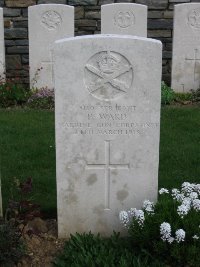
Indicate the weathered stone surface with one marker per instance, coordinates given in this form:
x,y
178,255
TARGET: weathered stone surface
x,y
160,24
11,12
52,2
8,23
25,59
107,129
159,33
16,33
20,22
82,2
105,2
47,23
154,4
155,14
13,62
92,15
186,51
79,12
124,19
2,49
20,3
17,50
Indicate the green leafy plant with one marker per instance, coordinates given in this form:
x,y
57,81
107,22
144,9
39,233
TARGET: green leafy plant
x,y
182,97
41,99
95,251
11,245
12,94
167,94
196,95
169,230
22,209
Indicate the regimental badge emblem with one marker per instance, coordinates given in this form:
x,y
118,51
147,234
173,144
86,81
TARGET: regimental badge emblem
x,y
51,20
194,19
108,75
124,19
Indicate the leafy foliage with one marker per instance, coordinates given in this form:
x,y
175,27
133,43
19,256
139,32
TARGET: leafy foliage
x,y
169,250
12,93
180,97
11,245
95,251
41,99
23,209
196,95
167,94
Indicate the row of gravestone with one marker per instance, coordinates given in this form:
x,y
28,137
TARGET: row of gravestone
x,y
48,23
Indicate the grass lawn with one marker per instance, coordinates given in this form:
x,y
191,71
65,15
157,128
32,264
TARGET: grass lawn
x,y
27,148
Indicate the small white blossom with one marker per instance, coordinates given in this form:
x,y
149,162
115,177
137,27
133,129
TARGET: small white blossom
x,y
139,217
171,240
183,210
176,195
195,237
180,235
197,188
163,191
148,206
187,188
196,204
165,231
124,218
187,202
193,195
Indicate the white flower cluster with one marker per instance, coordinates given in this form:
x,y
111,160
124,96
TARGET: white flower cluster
x,y
180,235
148,206
165,232
124,218
127,216
188,198
163,191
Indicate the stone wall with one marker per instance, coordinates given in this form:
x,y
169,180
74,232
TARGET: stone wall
x,y
87,21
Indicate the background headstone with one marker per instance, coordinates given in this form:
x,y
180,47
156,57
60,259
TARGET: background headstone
x,y
186,48
47,23
107,114
124,18
2,47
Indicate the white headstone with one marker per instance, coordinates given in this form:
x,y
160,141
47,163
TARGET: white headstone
x,y
107,129
47,23
124,19
2,47
186,48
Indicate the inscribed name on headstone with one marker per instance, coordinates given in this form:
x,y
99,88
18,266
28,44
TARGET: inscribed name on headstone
x,y
47,23
107,110
2,48
186,48
124,18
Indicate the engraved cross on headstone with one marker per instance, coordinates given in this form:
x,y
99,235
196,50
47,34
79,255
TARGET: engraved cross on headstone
x,y
50,64
195,59
107,167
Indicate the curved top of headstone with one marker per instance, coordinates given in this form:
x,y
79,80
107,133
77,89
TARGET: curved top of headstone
x,y
186,5
107,36
50,5
124,18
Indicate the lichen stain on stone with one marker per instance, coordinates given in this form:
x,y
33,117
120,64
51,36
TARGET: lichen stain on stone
x,y
122,195
98,209
114,172
92,179
71,198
